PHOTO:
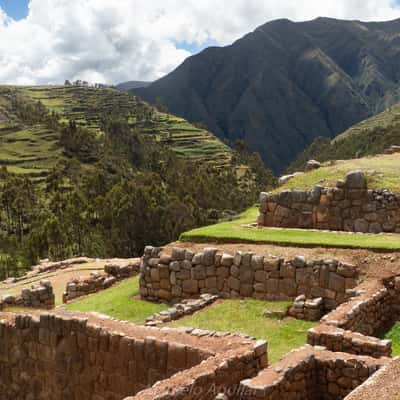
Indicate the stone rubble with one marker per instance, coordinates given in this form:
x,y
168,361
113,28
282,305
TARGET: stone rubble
x,y
38,296
180,310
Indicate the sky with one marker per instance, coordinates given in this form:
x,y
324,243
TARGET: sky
x,y
111,41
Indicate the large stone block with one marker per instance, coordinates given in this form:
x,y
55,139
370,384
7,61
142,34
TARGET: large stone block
x,y
246,274
234,284
337,282
355,180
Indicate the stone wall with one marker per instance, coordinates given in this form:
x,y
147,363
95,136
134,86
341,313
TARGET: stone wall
x,y
38,296
311,373
347,207
183,274
58,357
369,314
355,325
384,385
96,281
336,339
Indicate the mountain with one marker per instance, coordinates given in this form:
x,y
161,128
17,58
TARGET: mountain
x,y
367,138
132,85
285,84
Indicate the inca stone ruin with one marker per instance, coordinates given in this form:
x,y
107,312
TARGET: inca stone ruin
x,y
349,206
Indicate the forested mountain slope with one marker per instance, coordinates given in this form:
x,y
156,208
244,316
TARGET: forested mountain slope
x,y
97,172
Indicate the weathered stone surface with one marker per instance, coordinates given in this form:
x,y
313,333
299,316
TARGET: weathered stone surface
x,y
355,180
347,207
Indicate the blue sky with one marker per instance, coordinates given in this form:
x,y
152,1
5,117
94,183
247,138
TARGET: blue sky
x,y
16,9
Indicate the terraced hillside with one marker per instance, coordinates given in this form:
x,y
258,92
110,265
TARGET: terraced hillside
x,y
33,150
369,137
28,150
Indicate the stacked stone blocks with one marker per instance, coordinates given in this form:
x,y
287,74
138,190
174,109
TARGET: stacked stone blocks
x,y
38,296
347,207
96,281
184,274
62,357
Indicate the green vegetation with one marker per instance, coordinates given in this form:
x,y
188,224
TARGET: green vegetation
x,y
381,171
394,336
118,302
246,316
234,231
95,172
369,137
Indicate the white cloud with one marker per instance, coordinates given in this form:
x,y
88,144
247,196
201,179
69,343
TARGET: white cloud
x,y
112,41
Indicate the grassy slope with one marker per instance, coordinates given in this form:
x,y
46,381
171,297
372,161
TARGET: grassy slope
x,y
382,172
34,150
118,302
246,316
233,231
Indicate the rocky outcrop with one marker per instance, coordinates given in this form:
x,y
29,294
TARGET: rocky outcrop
x,y
312,164
347,207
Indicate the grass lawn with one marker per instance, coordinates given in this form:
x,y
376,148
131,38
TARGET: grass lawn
x,y
246,316
232,231
394,336
117,302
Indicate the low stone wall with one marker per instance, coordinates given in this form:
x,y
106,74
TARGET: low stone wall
x,y
307,309
83,286
180,310
384,385
336,339
311,373
96,281
347,207
38,296
370,314
61,356
124,269
355,325
183,274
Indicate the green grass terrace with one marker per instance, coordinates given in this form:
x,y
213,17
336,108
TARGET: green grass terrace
x,y
123,302
238,230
